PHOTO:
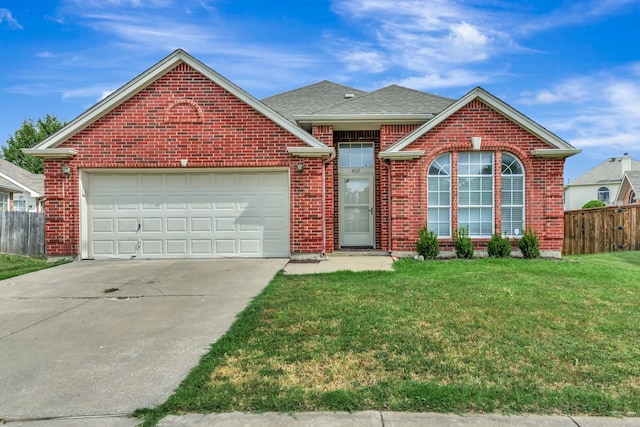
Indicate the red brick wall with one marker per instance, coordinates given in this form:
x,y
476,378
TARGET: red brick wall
x,y
183,115
543,177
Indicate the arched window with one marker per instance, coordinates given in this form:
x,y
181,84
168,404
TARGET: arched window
x,y
512,196
439,195
603,194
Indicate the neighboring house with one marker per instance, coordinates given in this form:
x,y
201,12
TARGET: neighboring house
x,y
600,183
20,190
629,189
181,162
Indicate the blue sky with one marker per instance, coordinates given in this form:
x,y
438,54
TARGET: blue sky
x,y
572,66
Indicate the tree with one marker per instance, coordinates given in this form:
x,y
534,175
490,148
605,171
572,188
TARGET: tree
x,y
29,135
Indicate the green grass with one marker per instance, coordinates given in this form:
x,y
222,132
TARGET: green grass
x,y
479,336
13,265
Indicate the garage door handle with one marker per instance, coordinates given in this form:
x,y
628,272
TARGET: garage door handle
x,y
139,226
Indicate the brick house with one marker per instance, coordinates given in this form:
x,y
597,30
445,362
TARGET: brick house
x,y
181,162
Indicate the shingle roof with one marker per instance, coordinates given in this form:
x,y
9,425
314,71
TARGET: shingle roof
x,y
609,170
34,182
309,99
392,99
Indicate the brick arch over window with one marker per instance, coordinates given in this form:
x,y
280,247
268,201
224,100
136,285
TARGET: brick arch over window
x,y
184,111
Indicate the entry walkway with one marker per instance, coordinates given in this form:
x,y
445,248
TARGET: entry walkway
x,y
381,262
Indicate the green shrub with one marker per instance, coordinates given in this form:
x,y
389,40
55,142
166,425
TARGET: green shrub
x,y
463,244
530,244
499,247
427,244
593,204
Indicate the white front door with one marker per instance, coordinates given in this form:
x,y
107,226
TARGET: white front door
x,y
356,198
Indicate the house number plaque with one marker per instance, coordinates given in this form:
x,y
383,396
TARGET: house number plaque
x,y
355,170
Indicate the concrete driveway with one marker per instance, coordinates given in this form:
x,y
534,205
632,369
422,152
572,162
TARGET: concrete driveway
x,y
68,349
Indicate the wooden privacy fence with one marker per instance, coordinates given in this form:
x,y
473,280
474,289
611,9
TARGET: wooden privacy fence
x,y
22,233
591,231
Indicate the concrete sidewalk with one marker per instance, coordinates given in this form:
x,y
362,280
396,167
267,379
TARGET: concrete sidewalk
x,y
390,419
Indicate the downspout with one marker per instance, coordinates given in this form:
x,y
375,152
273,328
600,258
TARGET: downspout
x,y
324,203
387,164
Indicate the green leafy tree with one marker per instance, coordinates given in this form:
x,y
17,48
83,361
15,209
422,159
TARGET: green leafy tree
x,y
29,135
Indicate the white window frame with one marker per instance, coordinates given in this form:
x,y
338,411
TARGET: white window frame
x,y
441,168
471,171
514,161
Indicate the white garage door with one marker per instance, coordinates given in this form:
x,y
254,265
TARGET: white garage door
x,y
187,215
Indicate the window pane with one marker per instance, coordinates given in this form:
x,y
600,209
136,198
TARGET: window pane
x,y
512,217
439,196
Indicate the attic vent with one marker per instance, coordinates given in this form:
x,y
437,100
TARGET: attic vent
x,y
349,95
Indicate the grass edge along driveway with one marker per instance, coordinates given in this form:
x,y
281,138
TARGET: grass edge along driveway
x,y
480,336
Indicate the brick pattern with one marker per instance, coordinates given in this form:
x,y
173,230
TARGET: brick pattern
x,y
218,131
183,115
543,177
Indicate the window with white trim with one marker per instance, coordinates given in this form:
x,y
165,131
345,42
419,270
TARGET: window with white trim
x,y
512,208
475,193
439,196
4,202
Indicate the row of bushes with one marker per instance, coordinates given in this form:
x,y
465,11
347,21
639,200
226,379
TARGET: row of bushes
x,y
498,247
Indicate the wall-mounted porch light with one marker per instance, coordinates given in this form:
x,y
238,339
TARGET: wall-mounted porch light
x,y
476,141
300,167
66,171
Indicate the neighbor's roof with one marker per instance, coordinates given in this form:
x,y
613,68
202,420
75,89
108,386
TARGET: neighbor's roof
x,y
312,98
609,171
630,180
16,179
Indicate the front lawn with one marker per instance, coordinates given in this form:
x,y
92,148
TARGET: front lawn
x,y
13,265
486,335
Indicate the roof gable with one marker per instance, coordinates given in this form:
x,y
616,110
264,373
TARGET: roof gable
x,y
17,179
559,147
630,182
48,147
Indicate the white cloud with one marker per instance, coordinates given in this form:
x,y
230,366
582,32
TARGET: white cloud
x,y
601,111
5,15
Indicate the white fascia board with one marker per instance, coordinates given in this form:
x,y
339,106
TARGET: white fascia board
x,y
499,106
401,155
555,153
311,151
151,75
51,153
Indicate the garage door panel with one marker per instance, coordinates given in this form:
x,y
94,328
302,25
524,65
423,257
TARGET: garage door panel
x,y
152,247
202,202
103,247
225,224
201,247
184,214
177,247
152,203
103,203
127,225
151,225
127,247
201,224
176,225
103,225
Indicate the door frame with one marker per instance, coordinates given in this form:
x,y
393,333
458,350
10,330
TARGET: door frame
x,y
357,172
